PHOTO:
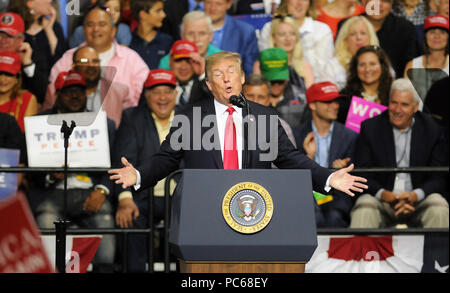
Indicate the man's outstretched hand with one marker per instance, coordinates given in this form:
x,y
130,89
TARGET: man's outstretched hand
x,y
343,181
127,176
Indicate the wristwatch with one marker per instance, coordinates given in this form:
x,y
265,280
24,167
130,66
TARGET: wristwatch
x,y
102,191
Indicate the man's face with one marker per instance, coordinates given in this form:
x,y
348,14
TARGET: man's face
x,y
327,111
161,100
225,79
88,63
258,94
10,43
402,109
198,32
155,15
277,87
182,69
217,9
98,30
72,99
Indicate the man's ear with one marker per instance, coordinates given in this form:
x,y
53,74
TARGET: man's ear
x,y
208,84
229,4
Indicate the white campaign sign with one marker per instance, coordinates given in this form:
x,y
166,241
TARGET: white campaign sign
x,y
88,145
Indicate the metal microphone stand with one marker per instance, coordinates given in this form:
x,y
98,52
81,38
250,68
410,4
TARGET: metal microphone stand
x,y
61,224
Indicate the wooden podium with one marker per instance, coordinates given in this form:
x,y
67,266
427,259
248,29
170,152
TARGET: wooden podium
x,y
191,267
210,234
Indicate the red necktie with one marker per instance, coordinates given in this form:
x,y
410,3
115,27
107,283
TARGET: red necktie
x,y
230,154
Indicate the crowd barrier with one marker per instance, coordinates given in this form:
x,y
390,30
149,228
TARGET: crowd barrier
x,y
166,227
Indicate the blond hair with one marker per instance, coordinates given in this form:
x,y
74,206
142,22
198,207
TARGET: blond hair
x,y
297,54
213,59
341,50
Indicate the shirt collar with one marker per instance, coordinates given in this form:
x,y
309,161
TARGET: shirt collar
x,y
221,108
308,26
330,132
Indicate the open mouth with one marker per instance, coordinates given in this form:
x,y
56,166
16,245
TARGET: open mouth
x,y
228,89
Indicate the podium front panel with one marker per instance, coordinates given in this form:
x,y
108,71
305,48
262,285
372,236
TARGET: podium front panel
x,y
199,231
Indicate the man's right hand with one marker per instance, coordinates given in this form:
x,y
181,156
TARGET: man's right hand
x,y
309,145
127,211
127,176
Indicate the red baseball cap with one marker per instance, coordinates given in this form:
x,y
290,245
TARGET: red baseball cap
x,y
436,21
11,23
10,62
60,80
183,49
73,78
322,92
160,76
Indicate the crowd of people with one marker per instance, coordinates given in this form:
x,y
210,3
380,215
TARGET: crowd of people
x,y
143,61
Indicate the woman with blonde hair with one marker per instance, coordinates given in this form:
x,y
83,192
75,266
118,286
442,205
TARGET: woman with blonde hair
x,y
357,32
284,34
316,37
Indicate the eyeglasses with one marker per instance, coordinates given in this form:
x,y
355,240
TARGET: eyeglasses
x,y
282,16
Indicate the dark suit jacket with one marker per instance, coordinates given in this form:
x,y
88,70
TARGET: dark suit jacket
x,y
375,148
168,158
137,140
11,137
343,142
175,10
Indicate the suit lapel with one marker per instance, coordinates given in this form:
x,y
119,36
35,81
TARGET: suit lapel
x,y
335,144
209,109
387,141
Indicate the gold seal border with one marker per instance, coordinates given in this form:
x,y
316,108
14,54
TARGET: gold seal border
x,y
227,201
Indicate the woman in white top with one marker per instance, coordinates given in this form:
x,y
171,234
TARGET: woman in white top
x,y
357,32
315,36
284,34
436,56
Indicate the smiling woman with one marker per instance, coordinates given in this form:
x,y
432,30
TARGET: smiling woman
x,y
13,100
370,78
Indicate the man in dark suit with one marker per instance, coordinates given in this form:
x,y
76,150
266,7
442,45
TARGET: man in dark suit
x,y
224,77
401,137
139,137
330,144
189,69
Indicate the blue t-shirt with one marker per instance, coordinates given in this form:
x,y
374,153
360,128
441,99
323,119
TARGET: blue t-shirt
x,y
153,51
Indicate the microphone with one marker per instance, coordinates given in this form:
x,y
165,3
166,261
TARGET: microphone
x,y
238,101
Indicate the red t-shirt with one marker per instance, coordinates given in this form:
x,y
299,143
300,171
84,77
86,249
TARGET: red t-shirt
x,y
17,108
333,21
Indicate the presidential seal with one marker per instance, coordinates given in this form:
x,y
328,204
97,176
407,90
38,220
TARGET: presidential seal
x,y
247,207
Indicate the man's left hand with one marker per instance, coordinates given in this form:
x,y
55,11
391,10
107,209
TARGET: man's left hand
x,y
94,202
343,181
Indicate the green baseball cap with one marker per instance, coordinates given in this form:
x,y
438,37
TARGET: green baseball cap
x,y
274,64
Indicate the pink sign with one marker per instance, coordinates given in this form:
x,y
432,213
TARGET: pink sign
x,y
361,110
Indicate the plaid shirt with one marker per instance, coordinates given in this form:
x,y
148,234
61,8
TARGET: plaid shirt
x,y
417,17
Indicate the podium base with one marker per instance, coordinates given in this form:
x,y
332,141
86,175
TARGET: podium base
x,y
238,267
